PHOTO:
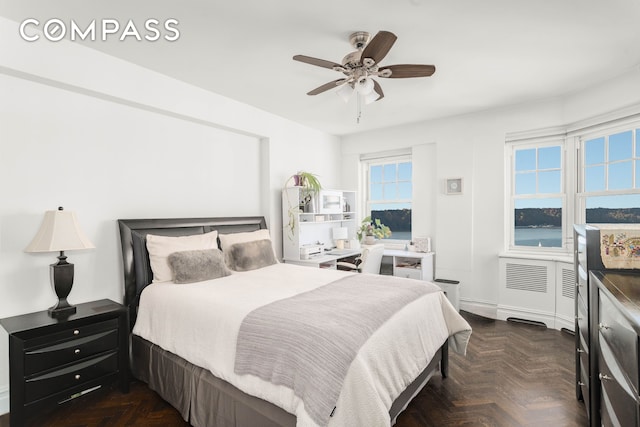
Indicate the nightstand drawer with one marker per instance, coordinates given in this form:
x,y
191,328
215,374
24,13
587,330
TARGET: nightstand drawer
x,y
44,358
71,376
72,333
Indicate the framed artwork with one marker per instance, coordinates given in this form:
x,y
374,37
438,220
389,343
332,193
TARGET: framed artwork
x,y
453,186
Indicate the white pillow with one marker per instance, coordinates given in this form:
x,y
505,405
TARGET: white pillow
x,y
228,240
160,247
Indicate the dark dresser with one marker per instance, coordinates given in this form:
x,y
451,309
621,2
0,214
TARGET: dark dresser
x,y
53,360
607,324
616,327
586,258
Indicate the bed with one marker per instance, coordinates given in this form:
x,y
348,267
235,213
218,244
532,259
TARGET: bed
x,y
192,367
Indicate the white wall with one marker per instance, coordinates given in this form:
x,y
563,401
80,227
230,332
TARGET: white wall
x,y
111,140
468,230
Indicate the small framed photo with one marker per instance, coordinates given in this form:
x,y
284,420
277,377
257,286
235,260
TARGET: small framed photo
x,y
453,186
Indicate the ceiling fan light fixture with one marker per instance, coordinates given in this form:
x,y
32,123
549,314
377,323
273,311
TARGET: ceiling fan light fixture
x,y
370,98
365,86
344,92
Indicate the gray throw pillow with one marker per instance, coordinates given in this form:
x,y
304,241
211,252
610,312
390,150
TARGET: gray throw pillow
x,y
250,255
197,265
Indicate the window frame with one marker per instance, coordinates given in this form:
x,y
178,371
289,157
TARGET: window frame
x,y
366,162
537,143
618,126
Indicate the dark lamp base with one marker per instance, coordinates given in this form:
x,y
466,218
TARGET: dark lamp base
x,y
58,311
62,280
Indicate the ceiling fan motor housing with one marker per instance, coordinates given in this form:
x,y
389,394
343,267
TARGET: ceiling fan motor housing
x,y
359,39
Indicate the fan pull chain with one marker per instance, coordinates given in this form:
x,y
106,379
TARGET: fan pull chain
x,y
359,106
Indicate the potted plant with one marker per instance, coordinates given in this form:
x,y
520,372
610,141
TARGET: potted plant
x,y
371,230
310,186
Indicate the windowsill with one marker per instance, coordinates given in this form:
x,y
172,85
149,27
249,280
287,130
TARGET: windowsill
x,y
555,256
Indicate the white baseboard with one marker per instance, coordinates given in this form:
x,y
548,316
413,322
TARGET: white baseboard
x,y
480,308
563,322
506,312
4,400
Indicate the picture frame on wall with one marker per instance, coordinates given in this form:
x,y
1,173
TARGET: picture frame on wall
x,y
453,186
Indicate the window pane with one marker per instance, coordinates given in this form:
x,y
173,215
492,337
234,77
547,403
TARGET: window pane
x,y
526,183
404,190
376,174
594,151
594,178
549,182
526,160
549,158
538,222
620,176
390,191
376,192
389,172
620,146
404,171
637,142
613,209
396,216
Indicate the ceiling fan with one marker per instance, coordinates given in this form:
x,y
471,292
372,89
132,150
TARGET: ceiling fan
x,y
360,66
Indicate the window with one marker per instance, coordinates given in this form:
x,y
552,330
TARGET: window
x,y
388,192
590,174
537,195
610,185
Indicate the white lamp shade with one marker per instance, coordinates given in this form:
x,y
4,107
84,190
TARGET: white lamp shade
x,y
365,86
340,233
344,92
370,97
59,232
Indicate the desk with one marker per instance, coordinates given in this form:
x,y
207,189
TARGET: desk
x,y
414,265
326,260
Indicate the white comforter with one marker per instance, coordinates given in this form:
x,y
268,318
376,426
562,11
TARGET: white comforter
x,y
200,321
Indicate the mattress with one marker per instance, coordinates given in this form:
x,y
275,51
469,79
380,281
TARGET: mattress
x,y
200,322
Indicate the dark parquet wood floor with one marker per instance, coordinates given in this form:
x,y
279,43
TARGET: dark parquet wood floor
x,y
513,375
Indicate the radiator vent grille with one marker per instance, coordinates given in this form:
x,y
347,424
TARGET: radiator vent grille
x,y
526,277
568,283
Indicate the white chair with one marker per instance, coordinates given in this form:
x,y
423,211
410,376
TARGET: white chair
x,y
368,262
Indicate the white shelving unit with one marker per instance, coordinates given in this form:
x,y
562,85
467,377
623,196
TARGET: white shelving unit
x,y
314,227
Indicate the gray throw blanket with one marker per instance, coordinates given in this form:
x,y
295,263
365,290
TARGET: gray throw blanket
x,y
307,342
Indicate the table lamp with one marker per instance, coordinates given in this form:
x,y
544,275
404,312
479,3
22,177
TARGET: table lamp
x,y
60,232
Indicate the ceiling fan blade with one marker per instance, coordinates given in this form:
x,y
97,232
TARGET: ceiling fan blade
x,y
325,87
403,71
378,89
316,61
379,46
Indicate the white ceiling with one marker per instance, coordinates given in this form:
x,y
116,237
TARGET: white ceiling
x,y
487,53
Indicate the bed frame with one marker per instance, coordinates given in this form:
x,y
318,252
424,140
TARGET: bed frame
x,y
202,398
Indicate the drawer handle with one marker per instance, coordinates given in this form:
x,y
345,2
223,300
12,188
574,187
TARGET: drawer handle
x,y
77,377
604,377
602,326
76,332
580,383
579,350
76,351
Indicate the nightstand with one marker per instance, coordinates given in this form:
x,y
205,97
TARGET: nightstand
x,y
54,360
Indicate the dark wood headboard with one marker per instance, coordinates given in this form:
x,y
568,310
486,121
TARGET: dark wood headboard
x,y
133,237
